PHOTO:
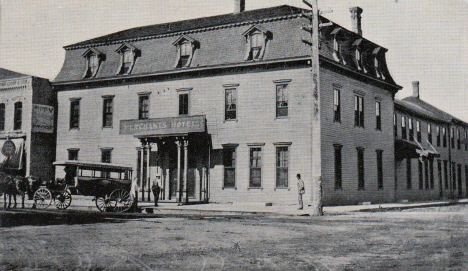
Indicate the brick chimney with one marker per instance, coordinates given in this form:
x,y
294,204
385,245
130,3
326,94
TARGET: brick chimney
x,y
356,19
416,89
239,6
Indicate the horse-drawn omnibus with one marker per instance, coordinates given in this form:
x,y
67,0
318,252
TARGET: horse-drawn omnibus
x,y
109,184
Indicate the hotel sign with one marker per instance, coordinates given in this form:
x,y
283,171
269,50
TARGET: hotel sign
x,y
164,126
42,118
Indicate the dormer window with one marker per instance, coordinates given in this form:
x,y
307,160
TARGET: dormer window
x,y
93,60
337,46
256,40
377,64
185,49
128,56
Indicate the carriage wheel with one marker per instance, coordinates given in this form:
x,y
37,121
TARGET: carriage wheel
x,y
104,204
42,198
63,200
122,199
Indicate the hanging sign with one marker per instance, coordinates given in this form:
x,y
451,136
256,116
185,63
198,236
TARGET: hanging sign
x,y
8,148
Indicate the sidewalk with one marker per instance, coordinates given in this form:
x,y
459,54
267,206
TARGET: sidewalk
x,y
239,208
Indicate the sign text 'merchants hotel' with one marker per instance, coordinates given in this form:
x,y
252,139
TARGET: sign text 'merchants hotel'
x,y
164,126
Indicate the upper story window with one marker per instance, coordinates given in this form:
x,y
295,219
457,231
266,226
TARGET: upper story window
x,y
183,104
230,102
418,130
2,117
358,111
458,139
73,154
403,127
452,138
106,155
128,56
429,133
93,61
337,46
18,116
438,135
336,105
378,118
410,127
377,63
185,49
444,137
256,40
282,98
395,127
143,106
107,110
75,113
358,56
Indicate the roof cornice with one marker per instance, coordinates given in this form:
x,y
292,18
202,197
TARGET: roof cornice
x,y
204,29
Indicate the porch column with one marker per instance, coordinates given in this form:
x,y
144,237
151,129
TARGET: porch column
x,y
185,169
179,188
148,170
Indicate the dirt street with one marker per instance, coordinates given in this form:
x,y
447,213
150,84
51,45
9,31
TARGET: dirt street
x,y
419,239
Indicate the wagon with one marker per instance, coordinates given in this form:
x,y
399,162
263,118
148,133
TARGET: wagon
x,y
109,184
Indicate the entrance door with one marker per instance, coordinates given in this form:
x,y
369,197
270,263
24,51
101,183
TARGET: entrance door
x,y
173,183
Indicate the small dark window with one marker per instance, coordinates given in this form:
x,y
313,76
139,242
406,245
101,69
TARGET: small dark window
x,y
358,111
73,154
74,114
409,183
418,130
255,168
281,101
2,117
106,155
18,117
438,135
231,104
337,105
458,140
452,138
107,111
378,118
403,127
411,130
360,159
229,161
183,104
338,167
444,137
429,133
379,169
282,167
143,107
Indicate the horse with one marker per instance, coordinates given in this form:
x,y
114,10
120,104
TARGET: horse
x,y
7,187
26,185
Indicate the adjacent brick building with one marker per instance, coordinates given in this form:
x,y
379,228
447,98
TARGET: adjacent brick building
x,y
224,104
27,134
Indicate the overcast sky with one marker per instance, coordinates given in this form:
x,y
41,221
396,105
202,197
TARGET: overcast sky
x,y
427,40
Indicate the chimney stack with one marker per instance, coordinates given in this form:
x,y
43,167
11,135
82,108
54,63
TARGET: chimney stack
x,y
416,89
356,19
239,6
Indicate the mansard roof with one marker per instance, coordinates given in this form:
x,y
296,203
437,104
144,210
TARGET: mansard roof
x,y
7,74
222,45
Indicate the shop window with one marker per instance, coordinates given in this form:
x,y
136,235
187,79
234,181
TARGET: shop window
x,y
438,135
73,154
454,176
106,155
256,40
403,127
431,174
378,118
446,179
439,173
229,162
107,111
379,169
409,174
338,167
18,116
358,111
360,168
426,174
282,166
74,113
337,105
2,117
143,107
183,104
185,50
282,95
128,56
255,168
230,103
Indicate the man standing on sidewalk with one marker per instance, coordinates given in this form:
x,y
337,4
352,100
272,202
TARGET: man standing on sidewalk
x,y
300,190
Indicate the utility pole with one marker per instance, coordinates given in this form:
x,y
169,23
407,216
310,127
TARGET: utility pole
x,y
316,155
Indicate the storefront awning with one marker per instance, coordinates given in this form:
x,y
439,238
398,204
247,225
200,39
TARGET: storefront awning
x,y
413,149
15,160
